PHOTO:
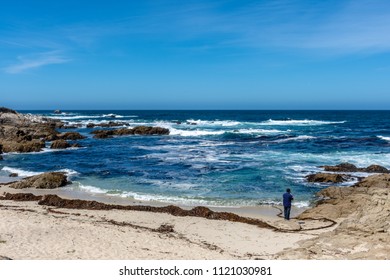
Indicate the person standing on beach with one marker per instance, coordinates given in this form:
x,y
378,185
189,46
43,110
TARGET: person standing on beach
x,y
287,198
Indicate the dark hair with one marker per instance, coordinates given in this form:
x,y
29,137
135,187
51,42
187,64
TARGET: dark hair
x,y
288,190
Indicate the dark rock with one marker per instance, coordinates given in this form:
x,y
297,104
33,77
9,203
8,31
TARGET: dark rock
x,y
4,258
71,136
327,178
60,144
50,180
1,158
138,130
13,175
348,167
148,130
101,134
123,131
342,167
6,110
376,169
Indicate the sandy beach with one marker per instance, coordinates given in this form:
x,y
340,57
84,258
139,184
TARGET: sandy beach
x,y
31,231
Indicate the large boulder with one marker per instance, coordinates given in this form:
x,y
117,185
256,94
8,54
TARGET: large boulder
x,y
60,144
342,167
138,130
149,130
348,167
101,134
71,136
50,180
327,178
23,146
362,212
376,169
7,110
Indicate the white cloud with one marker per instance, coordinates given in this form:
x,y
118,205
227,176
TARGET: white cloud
x,y
35,61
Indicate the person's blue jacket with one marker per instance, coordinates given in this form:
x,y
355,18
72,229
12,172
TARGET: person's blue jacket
x,y
287,198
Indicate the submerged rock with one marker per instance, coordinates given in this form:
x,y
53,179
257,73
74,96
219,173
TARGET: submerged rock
x,y
50,180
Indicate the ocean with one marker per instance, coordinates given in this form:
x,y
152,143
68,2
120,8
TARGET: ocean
x,y
212,158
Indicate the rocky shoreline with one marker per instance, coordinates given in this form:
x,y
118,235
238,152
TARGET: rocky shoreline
x,y
25,133
348,222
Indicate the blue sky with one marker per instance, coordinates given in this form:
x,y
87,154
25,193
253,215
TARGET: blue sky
x,y
195,54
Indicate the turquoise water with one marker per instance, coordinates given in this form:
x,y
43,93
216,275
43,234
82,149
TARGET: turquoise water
x,y
222,158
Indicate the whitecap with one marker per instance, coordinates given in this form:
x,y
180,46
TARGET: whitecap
x,y
20,172
384,138
213,123
299,122
297,138
187,133
90,189
26,173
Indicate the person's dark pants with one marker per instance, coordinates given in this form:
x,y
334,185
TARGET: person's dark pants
x,y
287,210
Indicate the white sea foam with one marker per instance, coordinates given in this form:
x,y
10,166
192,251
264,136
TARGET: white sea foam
x,y
384,138
297,138
198,132
257,131
73,117
90,189
26,173
187,133
299,122
20,172
213,123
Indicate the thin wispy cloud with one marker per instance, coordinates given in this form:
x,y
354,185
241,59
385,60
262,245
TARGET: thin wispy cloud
x,y
36,61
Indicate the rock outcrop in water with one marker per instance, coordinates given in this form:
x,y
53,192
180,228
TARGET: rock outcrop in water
x,y
138,130
24,133
348,167
50,180
328,178
363,214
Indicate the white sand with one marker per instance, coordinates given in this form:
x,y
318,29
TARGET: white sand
x,y
30,231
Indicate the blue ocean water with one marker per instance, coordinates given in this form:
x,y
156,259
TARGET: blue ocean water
x,y
226,158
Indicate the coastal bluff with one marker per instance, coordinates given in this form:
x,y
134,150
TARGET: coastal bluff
x,y
362,212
